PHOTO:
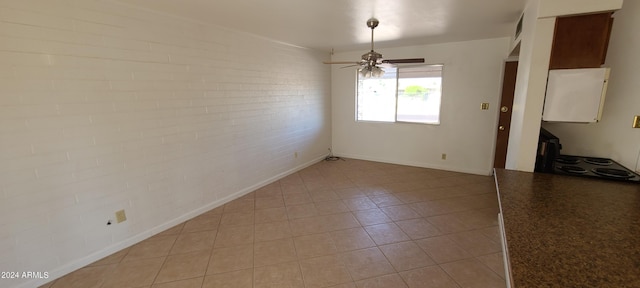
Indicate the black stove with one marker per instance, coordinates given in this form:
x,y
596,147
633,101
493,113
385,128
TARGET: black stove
x,y
593,167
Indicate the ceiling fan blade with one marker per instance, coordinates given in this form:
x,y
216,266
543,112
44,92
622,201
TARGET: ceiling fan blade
x,y
354,65
404,61
341,62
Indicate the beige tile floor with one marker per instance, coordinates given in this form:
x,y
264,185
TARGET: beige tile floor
x,y
348,223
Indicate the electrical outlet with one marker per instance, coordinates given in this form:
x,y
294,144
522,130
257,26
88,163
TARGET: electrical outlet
x,y
484,106
121,216
636,121
444,156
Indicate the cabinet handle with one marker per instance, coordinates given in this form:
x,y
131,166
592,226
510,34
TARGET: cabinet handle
x,y
501,128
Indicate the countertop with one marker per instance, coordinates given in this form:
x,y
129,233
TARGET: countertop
x,y
564,231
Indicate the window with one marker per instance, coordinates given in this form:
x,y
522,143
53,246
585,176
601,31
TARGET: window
x,y
405,94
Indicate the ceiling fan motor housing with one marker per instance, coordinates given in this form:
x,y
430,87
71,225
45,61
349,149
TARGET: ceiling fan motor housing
x,y
371,57
372,23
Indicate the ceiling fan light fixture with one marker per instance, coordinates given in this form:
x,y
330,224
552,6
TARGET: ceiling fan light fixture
x,y
371,72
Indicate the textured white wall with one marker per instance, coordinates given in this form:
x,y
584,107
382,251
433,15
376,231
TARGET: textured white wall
x,y
105,107
613,137
472,74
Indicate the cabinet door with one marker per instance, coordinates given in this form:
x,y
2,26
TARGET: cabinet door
x,y
581,41
575,95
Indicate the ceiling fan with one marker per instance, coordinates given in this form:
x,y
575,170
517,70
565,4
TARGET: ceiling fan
x,y
372,61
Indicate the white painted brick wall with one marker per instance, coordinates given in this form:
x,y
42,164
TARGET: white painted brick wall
x,y
106,107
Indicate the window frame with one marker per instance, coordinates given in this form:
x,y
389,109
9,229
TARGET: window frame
x,y
396,94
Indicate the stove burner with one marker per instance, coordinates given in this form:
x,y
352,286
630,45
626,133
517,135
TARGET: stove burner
x,y
598,161
568,160
612,173
572,169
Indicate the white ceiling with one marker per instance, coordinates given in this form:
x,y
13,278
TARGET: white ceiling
x,y
341,24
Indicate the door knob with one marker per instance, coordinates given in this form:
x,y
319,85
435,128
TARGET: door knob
x,y
504,108
501,127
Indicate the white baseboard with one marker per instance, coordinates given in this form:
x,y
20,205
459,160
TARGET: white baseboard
x,y
79,263
482,172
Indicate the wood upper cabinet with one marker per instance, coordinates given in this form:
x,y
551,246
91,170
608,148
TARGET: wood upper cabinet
x,y
581,41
